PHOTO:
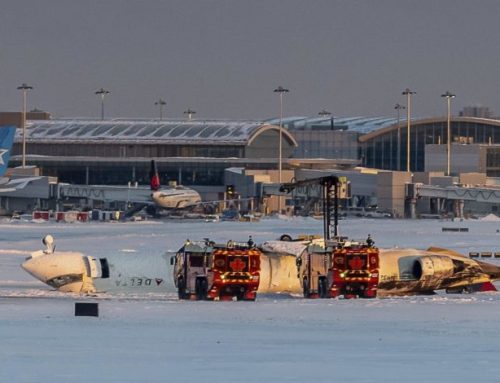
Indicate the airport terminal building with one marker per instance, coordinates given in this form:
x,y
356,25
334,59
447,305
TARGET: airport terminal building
x,y
386,148
198,153
190,152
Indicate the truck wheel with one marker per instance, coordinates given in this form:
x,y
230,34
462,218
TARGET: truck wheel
x,y
323,287
286,237
201,288
181,288
250,298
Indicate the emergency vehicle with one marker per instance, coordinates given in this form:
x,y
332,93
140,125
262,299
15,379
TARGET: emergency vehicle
x,y
339,267
205,270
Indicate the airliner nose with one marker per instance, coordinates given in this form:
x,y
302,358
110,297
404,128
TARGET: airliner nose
x,y
36,268
63,271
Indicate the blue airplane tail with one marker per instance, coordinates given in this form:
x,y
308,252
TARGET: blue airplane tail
x,y
6,141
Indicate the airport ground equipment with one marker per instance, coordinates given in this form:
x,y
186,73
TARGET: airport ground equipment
x,y
331,187
206,270
339,268
336,266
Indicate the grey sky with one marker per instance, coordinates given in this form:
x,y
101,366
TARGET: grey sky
x,y
224,58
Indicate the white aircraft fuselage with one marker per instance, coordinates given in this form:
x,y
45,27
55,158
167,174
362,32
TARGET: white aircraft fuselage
x,y
402,271
175,198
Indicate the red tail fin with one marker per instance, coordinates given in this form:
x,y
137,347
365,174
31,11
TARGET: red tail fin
x,y
155,178
488,286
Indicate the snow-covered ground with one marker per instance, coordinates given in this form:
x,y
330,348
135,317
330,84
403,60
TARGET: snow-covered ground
x,y
155,338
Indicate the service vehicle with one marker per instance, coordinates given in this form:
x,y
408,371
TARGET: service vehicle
x,y
204,270
339,267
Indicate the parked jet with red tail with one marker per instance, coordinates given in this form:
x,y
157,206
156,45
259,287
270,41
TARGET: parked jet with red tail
x,y
177,197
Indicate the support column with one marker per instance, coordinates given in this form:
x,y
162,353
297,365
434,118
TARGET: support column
x,y
87,175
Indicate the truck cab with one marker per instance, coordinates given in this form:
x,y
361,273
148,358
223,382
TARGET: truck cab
x,y
339,268
206,270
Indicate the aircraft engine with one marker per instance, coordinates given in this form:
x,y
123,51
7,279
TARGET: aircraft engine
x,y
432,269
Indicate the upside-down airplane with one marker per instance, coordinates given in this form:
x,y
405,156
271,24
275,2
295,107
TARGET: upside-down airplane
x,y
402,271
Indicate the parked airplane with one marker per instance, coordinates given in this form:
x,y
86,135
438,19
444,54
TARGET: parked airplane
x,y
402,271
178,197
16,183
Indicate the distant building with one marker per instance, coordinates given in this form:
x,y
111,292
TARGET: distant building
x,y
330,137
475,158
476,111
386,148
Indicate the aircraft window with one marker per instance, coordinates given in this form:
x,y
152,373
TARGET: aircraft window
x,y
63,280
104,268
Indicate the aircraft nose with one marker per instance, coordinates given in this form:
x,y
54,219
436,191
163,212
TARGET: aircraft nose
x,y
35,268
64,270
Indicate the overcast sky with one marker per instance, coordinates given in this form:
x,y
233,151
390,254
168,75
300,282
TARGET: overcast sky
x,y
224,58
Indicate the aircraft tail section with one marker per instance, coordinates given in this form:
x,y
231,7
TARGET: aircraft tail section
x,y
6,141
154,177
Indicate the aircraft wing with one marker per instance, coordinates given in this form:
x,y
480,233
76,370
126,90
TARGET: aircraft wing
x,y
14,185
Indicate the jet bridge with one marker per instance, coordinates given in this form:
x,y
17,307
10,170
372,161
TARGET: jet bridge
x,y
477,194
105,193
329,189
457,193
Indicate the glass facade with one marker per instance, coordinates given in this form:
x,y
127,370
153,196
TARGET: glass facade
x,y
333,144
389,150
493,162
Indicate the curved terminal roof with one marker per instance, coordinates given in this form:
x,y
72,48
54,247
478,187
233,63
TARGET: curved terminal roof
x,y
394,126
360,125
164,132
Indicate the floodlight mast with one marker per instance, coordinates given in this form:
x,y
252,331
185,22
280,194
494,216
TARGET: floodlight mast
x,y
408,93
24,89
448,97
161,103
281,91
103,93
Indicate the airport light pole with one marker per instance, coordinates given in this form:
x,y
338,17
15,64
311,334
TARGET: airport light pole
x,y
280,90
161,103
325,113
448,97
103,93
189,113
408,93
24,88
399,107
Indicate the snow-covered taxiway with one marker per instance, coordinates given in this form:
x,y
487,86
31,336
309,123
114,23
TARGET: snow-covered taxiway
x,y
155,338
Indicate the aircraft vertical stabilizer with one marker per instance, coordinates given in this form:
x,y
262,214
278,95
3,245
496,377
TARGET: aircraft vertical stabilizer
x,y
155,178
6,141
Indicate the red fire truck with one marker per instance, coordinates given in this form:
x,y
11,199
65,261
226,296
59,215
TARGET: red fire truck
x,y
346,268
205,270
